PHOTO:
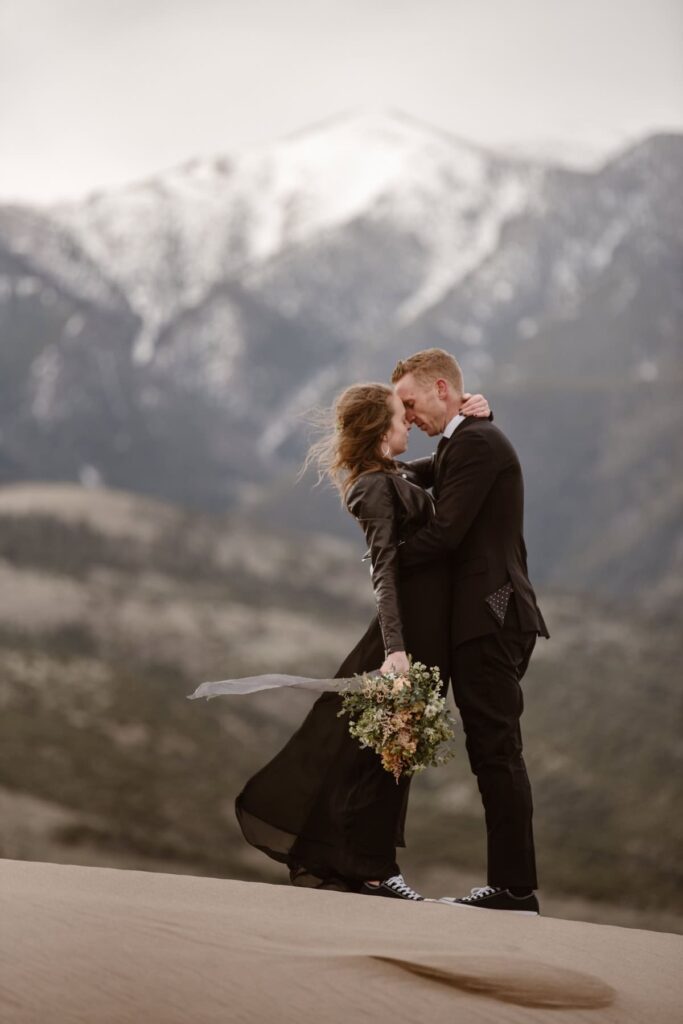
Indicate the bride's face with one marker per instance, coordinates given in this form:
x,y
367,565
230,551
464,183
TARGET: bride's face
x,y
396,436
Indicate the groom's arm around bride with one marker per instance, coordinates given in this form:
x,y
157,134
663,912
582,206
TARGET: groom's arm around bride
x,y
479,497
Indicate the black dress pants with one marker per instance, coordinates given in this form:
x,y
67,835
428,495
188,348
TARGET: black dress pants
x,y
486,674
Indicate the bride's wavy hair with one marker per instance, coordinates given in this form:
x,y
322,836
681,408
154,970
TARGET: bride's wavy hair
x,y
352,429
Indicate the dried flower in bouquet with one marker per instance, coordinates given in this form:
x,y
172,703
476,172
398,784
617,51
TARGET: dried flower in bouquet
x,y
402,717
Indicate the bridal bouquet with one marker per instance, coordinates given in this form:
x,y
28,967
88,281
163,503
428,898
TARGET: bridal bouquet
x,y
402,717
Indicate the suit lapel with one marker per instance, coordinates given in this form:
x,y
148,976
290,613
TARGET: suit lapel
x,y
441,447
437,462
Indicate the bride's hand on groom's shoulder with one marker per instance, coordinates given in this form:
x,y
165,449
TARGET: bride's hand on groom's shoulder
x,y
474,405
396,662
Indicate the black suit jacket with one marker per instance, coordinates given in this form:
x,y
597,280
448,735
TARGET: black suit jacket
x,y
479,491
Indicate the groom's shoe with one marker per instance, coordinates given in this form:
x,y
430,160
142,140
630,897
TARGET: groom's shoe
x,y
394,887
489,897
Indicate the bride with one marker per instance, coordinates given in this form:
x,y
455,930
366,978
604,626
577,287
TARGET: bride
x,y
323,806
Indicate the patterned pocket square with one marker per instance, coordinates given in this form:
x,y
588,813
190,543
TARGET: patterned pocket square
x,y
498,602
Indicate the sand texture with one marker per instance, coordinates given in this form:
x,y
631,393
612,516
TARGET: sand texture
x,y
106,946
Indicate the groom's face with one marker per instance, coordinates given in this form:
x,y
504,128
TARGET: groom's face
x,y
425,404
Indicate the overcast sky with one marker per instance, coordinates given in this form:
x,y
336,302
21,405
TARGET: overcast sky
x,y
97,92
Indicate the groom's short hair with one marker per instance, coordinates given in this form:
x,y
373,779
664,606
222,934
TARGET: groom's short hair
x,y
428,365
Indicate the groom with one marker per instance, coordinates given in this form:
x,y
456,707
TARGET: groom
x,y
479,492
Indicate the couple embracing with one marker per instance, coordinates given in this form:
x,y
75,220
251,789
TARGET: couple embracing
x,y
449,574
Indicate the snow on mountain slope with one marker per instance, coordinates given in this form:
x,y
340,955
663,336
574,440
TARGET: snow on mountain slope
x,y
167,241
38,241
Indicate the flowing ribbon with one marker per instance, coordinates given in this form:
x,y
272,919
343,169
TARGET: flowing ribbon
x,y
250,684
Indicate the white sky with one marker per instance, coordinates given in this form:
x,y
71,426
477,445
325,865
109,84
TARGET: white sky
x,y
98,92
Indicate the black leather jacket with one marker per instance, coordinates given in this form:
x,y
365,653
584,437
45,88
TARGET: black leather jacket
x,y
390,507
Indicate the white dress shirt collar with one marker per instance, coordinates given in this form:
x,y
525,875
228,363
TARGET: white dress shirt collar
x,y
453,425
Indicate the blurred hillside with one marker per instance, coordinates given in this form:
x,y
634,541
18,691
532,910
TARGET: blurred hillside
x,y
113,607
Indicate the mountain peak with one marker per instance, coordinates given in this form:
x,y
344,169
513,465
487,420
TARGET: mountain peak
x,y
211,216
660,148
364,135
390,122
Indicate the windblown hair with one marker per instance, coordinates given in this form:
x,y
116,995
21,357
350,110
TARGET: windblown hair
x,y
428,365
352,431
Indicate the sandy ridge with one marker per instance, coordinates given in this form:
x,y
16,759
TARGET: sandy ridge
x,y
112,946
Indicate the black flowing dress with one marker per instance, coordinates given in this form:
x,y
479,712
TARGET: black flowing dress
x,y
323,806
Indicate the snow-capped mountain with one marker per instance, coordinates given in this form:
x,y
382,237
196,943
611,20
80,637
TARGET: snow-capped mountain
x,y
166,337
167,241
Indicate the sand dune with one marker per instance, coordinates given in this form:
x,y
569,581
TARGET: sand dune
x,y
105,946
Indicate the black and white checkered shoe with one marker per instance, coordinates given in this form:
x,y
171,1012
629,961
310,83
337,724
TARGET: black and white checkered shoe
x,y
488,897
394,887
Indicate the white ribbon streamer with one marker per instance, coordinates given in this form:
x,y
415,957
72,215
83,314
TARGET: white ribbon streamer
x,y
250,684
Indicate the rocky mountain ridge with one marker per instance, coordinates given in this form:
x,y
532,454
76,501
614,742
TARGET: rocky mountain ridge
x,y
167,337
